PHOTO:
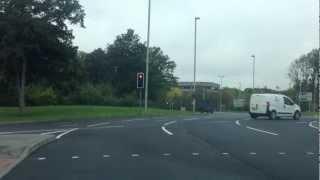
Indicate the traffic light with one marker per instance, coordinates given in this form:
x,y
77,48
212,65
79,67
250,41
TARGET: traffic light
x,y
140,80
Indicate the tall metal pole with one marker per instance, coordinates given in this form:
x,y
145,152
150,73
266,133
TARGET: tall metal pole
x,y
194,65
147,62
220,106
253,70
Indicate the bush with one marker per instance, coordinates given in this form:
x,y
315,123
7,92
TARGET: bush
x,y
38,95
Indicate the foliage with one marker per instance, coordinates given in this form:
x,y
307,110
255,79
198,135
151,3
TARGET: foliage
x,y
40,95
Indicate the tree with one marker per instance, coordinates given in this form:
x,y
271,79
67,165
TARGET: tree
x,y
35,38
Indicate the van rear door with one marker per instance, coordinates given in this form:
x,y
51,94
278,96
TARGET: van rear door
x,y
258,104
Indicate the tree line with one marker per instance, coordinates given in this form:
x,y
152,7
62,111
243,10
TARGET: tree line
x,y
39,65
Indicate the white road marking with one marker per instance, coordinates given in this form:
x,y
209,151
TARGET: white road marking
x,y
135,155
42,158
225,153
107,127
75,157
169,123
253,153
65,133
195,154
302,122
313,126
166,154
98,124
262,131
282,153
31,131
309,153
166,131
238,123
53,132
106,156
191,119
220,122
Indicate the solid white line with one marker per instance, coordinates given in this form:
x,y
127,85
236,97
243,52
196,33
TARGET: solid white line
x,y
107,127
53,132
42,158
31,131
98,124
169,123
166,131
259,130
67,132
312,126
238,123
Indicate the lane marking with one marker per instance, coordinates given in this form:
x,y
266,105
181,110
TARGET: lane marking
x,y
41,158
191,119
259,130
106,156
53,132
195,154
302,122
238,123
312,126
309,153
75,157
166,131
282,153
135,155
31,131
166,154
98,124
131,120
225,153
107,127
65,133
253,153
169,123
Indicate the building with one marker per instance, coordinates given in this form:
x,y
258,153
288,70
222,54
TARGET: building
x,y
188,86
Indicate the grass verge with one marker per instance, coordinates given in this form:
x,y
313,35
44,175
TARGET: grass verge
x,y
73,113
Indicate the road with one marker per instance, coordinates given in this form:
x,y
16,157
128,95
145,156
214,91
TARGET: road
x,y
224,146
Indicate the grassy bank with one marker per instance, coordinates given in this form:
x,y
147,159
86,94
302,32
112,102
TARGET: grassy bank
x,y
313,114
66,113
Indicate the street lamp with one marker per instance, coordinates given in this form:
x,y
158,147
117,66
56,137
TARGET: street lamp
x,y
220,106
147,62
253,70
195,64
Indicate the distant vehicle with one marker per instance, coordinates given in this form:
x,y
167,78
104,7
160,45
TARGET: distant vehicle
x,y
273,106
205,108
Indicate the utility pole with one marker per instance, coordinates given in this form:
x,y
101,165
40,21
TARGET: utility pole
x,y
220,106
253,70
195,64
147,62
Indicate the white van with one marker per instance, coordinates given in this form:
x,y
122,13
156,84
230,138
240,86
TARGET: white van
x,y
273,106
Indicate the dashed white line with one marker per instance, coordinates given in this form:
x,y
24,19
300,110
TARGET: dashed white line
x,y
166,154
98,124
262,131
282,153
106,156
195,154
225,153
309,153
313,126
135,155
253,153
75,157
65,133
42,158
191,119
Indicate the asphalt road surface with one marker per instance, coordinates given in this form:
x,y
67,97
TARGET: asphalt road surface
x,y
223,146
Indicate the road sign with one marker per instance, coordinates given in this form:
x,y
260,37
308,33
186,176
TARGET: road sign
x,y
306,97
140,80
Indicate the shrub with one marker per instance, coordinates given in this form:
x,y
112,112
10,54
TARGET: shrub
x,y
38,95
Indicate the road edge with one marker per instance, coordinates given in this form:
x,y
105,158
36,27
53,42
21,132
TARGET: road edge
x,y
26,153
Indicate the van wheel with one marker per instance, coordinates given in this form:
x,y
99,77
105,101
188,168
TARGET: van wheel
x,y
253,116
296,115
273,115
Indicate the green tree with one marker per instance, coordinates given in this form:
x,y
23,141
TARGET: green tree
x,y
35,39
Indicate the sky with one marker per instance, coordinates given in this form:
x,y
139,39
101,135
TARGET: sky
x,y
276,31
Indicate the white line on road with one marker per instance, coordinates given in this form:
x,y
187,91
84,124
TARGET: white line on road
x,y
282,153
107,127
42,158
31,131
65,133
98,124
225,153
253,153
53,132
135,155
169,123
106,156
166,131
195,154
238,123
75,157
259,130
309,153
302,122
313,126
166,154
192,119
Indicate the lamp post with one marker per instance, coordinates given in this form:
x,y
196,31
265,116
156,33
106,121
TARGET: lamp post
x,y
220,104
147,62
253,70
195,64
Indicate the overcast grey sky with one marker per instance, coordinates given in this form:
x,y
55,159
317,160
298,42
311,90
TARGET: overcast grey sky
x,y
230,31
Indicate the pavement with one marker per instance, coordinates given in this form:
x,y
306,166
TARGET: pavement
x,y
224,146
